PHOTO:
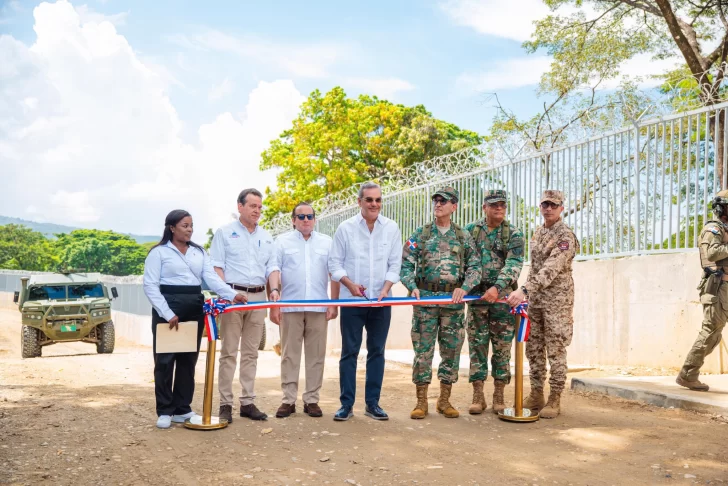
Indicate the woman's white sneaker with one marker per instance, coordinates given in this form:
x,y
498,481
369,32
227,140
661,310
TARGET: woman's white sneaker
x,y
180,419
164,422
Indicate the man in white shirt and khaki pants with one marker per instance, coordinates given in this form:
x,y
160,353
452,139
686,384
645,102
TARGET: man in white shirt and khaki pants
x,y
243,255
302,256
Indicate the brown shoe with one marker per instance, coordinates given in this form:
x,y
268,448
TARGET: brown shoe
x,y
479,403
285,410
312,409
693,385
553,406
499,404
226,413
443,403
252,412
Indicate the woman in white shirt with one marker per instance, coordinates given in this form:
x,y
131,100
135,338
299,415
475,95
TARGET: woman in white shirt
x,y
173,274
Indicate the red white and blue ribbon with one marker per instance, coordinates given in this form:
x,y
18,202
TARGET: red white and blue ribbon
x,y
212,309
524,324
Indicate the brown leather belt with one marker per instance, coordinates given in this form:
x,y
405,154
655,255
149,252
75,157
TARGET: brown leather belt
x,y
437,287
253,290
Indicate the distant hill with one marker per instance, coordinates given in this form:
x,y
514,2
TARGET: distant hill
x,y
49,230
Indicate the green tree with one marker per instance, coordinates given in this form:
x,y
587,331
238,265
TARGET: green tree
x,y
22,248
336,142
693,32
100,251
210,235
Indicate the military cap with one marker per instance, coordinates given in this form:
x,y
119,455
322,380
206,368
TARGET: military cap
x,y
553,196
720,199
448,192
494,196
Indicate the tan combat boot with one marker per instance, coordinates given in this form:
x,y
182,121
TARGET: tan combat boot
x,y
420,410
443,403
696,385
479,404
498,403
535,401
553,406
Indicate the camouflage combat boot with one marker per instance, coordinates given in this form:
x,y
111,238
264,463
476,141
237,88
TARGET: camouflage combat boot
x,y
420,410
443,403
553,406
535,401
479,404
498,403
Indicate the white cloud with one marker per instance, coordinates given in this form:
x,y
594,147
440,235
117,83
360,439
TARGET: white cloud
x,y
386,88
221,90
87,15
307,61
501,18
89,136
505,74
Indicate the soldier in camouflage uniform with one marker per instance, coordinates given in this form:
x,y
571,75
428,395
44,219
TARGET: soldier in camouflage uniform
x,y
440,258
501,255
713,246
550,291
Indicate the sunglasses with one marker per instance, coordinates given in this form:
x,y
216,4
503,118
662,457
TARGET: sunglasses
x,y
440,200
301,217
549,204
499,205
372,199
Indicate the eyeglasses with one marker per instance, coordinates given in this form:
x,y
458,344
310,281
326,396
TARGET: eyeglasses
x,y
499,205
301,217
372,199
549,204
440,200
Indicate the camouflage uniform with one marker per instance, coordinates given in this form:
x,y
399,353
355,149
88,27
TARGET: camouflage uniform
x,y
437,264
550,288
493,323
713,246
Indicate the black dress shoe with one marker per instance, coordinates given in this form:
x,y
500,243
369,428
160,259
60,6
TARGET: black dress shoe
x,y
226,413
342,414
313,410
252,412
376,412
285,410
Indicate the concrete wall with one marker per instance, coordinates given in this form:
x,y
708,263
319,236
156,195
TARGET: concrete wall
x,y
640,310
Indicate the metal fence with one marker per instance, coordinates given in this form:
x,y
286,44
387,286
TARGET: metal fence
x,y
641,189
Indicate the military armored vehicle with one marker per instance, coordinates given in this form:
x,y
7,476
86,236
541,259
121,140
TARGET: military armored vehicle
x,y
58,308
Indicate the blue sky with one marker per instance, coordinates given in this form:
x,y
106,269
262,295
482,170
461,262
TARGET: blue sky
x,y
128,109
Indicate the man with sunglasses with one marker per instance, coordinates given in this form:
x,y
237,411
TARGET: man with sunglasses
x,y
501,255
366,257
440,258
550,291
302,257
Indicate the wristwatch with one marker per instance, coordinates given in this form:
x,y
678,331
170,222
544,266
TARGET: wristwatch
x,y
525,291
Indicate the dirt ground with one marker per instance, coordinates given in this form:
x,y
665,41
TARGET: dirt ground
x,y
75,417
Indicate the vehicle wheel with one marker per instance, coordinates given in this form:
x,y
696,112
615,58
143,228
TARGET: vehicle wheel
x,y
30,347
106,336
261,346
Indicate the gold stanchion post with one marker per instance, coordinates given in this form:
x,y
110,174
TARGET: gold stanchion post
x,y
207,421
518,413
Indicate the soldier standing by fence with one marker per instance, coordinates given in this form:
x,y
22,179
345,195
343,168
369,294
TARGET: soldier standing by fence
x,y
713,246
439,258
501,254
550,291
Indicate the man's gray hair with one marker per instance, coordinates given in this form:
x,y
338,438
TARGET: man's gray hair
x,y
368,185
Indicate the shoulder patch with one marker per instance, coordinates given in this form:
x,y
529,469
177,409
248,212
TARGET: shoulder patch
x,y
412,244
563,245
714,230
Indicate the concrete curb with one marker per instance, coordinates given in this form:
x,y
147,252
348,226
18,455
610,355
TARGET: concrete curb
x,y
635,392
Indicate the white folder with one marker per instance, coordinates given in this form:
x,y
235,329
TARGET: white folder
x,y
182,340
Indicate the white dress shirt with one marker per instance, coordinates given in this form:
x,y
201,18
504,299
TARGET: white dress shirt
x,y
304,268
166,265
367,258
246,258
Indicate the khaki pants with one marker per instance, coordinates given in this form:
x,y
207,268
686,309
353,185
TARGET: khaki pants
x,y
715,314
309,329
240,330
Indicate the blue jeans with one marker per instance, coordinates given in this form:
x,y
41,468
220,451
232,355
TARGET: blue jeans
x,y
353,321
